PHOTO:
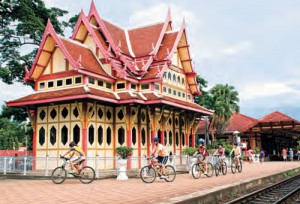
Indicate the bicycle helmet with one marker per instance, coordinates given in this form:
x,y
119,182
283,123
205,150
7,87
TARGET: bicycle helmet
x,y
201,141
72,144
235,143
156,139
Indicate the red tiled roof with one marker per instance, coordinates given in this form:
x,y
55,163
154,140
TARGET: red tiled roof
x,y
167,44
276,117
142,38
118,35
101,38
240,122
237,122
88,59
152,72
61,93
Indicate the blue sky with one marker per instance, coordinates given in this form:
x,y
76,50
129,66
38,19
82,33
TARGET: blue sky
x,y
252,45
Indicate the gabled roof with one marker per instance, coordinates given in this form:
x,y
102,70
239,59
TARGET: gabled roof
x,y
276,117
237,122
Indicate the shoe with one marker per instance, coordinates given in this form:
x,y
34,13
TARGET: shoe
x,y
163,176
72,171
205,172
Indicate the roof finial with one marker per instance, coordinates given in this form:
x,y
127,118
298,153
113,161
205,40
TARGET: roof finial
x,y
169,13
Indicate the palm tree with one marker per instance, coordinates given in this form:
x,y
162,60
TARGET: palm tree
x,y
224,102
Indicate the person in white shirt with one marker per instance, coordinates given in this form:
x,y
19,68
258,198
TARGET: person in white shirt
x,y
159,151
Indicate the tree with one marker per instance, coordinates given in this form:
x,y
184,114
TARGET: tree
x,y
223,99
22,24
18,114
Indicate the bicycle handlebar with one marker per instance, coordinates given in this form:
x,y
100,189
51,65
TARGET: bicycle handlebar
x,y
62,157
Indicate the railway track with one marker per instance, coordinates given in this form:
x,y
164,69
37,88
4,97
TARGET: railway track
x,y
279,192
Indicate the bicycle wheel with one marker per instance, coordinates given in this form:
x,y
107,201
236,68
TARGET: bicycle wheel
x,y
233,167
224,168
170,173
86,175
59,175
148,174
210,170
217,169
240,167
196,171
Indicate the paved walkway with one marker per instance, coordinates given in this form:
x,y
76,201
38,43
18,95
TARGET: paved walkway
x,y
131,191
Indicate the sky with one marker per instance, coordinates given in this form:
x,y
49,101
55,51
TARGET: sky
x,y
251,45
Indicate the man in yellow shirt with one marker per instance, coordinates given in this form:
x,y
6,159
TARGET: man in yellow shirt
x,y
77,153
160,153
237,152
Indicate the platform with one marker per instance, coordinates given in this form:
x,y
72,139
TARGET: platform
x,y
134,190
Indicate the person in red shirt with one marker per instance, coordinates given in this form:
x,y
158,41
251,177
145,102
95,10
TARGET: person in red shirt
x,y
202,151
284,154
221,152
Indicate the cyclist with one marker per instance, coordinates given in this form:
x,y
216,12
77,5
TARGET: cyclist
x,y
202,151
221,152
237,152
159,152
78,154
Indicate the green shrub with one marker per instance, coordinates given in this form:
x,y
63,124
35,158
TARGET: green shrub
x,y
189,151
123,151
256,150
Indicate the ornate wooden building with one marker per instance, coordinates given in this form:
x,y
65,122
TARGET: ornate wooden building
x,y
108,86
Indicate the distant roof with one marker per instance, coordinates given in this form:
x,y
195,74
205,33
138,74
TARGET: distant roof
x,y
276,117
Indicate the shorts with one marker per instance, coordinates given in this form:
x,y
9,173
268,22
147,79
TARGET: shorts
x,y
284,156
78,160
222,158
162,160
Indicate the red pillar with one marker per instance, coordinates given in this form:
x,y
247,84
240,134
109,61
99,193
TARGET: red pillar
x,y
34,139
162,137
84,128
187,140
193,140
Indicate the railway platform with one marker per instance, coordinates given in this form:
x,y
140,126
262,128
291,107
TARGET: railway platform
x,y
184,189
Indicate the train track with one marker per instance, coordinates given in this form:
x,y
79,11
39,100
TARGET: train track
x,y
280,192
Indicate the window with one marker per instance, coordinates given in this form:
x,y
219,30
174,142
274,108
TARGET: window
x,y
108,136
165,89
157,87
78,80
42,136
143,137
183,95
169,76
133,86
76,134
59,83
174,78
133,136
169,91
91,134
42,85
189,97
100,135
144,86
69,81
174,92
91,81
100,83
179,94
178,80
64,135
53,135
121,86
182,81
108,85
50,84
165,75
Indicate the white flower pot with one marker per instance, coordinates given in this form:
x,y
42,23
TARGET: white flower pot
x,y
192,161
122,169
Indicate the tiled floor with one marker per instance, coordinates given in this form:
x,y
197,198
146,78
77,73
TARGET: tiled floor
x,y
131,191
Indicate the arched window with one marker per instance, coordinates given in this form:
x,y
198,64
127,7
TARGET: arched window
x,y
143,136
76,134
170,137
174,78
165,75
42,136
133,136
169,76
121,136
178,80
64,135
91,134
53,135
100,135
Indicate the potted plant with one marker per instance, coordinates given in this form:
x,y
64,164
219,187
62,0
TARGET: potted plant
x,y
256,152
123,153
189,151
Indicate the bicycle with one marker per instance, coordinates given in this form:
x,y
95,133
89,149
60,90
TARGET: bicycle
x,y
235,165
199,168
220,166
86,174
149,172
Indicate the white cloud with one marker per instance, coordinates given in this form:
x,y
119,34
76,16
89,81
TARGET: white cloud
x,y
14,91
266,89
158,13
238,48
